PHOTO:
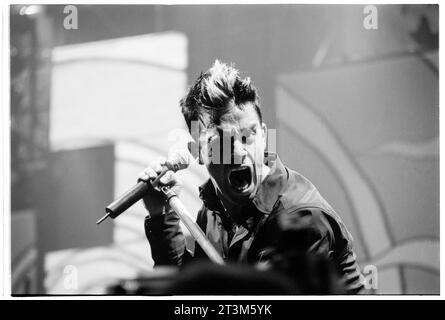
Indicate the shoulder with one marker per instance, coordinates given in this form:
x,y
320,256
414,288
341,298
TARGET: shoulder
x,y
300,192
303,209
300,204
304,225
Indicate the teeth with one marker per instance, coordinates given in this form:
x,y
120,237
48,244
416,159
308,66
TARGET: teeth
x,y
239,168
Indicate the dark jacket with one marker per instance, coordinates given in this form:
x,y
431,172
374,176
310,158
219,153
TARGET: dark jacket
x,y
287,219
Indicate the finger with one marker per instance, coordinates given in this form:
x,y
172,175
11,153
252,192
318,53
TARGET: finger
x,y
169,178
150,173
157,165
146,174
143,176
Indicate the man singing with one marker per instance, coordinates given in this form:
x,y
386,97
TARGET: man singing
x,y
255,210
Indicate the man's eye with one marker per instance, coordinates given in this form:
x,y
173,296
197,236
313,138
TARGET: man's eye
x,y
211,139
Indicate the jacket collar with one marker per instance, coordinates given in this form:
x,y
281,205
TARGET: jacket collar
x,y
267,194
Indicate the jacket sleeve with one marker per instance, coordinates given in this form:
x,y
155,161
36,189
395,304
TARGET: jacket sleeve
x,y
310,243
167,241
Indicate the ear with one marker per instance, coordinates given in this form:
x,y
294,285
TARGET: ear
x,y
264,132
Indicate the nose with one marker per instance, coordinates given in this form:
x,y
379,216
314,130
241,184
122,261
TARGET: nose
x,y
239,152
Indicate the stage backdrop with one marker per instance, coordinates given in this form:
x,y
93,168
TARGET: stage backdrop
x,y
370,142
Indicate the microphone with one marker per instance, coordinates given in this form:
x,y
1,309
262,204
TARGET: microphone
x,y
178,160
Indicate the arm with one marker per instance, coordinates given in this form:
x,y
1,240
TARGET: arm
x,y
167,241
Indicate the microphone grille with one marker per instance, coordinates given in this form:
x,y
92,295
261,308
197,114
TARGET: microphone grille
x,y
179,160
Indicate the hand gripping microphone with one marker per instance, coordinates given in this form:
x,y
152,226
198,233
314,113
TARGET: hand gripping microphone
x,y
178,160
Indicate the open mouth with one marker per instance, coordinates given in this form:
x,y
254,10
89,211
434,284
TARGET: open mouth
x,y
240,178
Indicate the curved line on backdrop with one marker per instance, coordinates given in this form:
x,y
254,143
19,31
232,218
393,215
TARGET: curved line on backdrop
x,y
114,248
71,255
330,130
137,263
108,259
432,239
427,254
372,60
138,62
427,150
429,270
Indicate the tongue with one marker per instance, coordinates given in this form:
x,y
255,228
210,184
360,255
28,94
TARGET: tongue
x,y
240,179
238,182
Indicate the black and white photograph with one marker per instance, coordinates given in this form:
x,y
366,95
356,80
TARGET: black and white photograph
x,y
222,150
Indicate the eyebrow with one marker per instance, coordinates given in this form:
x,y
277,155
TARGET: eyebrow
x,y
251,125
254,123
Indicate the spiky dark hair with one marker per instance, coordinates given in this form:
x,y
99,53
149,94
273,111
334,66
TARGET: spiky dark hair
x,y
216,91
